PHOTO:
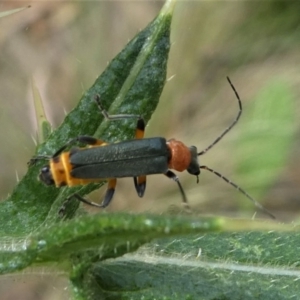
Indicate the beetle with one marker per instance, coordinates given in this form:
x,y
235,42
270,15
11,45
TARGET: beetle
x,y
132,158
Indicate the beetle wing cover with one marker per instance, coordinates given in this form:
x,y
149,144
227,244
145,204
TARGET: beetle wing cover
x,y
124,159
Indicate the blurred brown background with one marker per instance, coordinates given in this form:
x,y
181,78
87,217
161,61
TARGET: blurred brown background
x,y
64,46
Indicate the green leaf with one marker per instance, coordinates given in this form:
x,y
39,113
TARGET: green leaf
x,y
248,265
132,83
165,268
111,235
266,134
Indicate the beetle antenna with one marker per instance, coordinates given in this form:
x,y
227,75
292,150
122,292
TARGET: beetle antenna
x,y
257,204
35,159
229,127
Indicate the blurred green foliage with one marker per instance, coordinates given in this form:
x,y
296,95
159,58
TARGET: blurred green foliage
x,y
267,131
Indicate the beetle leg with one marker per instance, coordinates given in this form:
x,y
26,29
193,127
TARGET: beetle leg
x,y
140,182
85,139
173,176
107,198
112,117
79,198
112,182
140,185
140,129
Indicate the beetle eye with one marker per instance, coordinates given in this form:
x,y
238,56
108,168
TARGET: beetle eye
x,y
45,169
45,176
194,167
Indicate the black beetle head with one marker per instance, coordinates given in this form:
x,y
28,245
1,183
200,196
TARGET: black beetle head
x,y
194,167
46,176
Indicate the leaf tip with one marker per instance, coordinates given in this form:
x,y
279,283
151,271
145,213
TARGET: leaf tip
x,y
168,7
44,127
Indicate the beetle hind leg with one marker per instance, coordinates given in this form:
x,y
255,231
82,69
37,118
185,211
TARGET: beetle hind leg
x,y
79,198
107,198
